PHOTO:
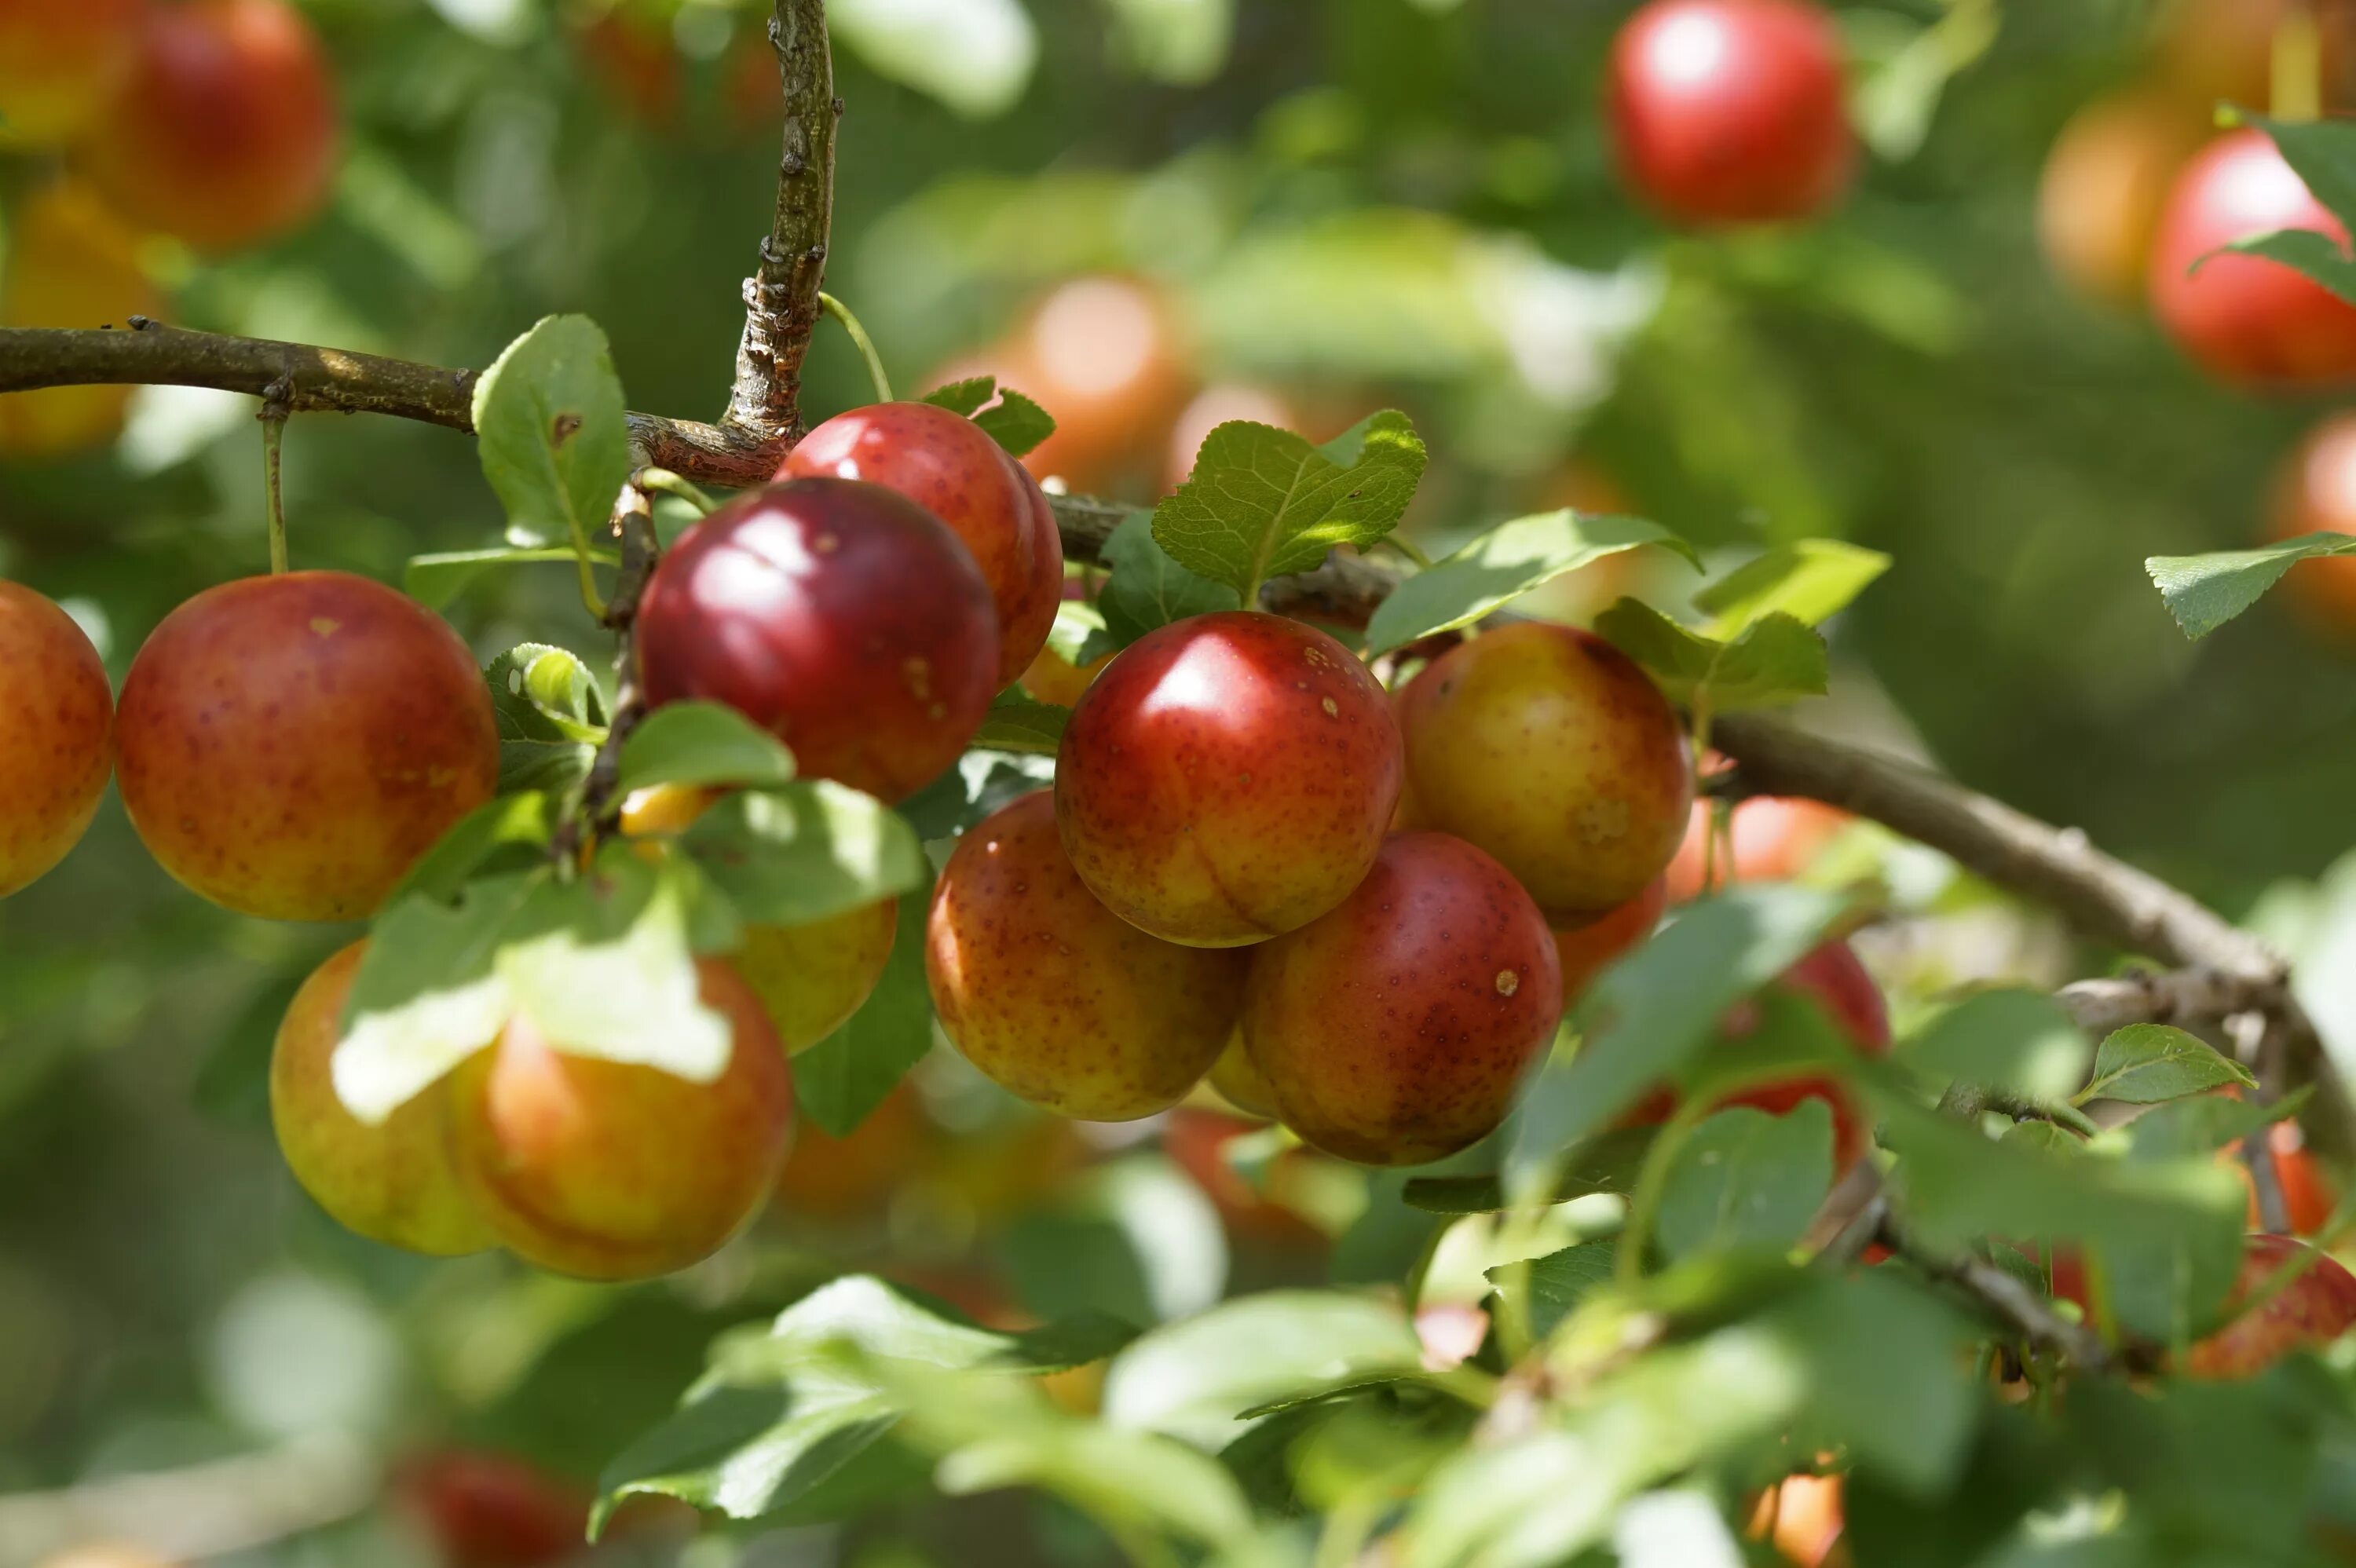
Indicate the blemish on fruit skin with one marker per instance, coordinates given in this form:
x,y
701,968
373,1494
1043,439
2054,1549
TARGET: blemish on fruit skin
x,y
325,626
1507,982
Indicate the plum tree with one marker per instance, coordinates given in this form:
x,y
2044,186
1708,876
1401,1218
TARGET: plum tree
x,y
487,1510
2316,494
1585,950
1768,839
394,1182
56,735
1226,778
288,746
615,1170
1239,1082
70,262
1831,976
1393,1030
225,133
1054,996
2247,320
2104,184
60,65
1548,748
2312,1311
1731,110
951,468
838,614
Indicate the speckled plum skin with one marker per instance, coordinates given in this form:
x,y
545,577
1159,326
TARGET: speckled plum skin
x,y
2307,1314
56,735
1548,748
392,1183
1228,778
950,466
2245,319
288,746
838,614
811,978
1393,1030
612,1171
1055,998
1731,110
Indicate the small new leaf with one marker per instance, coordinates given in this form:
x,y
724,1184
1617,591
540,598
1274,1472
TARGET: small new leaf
x,y
1776,658
550,429
698,743
1262,502
1015,421
551,717
2144,1064
1503,564
2204,592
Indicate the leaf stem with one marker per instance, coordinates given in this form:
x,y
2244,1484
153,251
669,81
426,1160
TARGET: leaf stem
x,y
671,483
1652,1186
274,435
584,554
841,312
2296,88
1408,549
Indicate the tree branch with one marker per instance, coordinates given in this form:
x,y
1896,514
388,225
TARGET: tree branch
x,y
781,303
2029,1315
2174,997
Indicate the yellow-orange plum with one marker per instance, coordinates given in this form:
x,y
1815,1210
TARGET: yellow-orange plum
x,y
70,262
1393,1030
1548,748
393,1182
290,745
811,978
56,735
1228,777
1054,996
60,64
1239,1082
615,1170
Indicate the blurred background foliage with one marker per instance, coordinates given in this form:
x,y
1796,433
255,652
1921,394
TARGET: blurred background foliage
x,y
1151,214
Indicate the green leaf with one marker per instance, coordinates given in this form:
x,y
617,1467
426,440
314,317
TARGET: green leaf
x,y
2202,1124
434,580
978,784
517,827
805,851
1262,502
1194,1378
1775,659
1810,580
2204,592
1607,1162
1885,1353
604,964
846,1076
2144,1064
1017,723
550,429
779,1412
1015,421
1501,564
428,993
1147,589
1559,1281
1657,1008
2318,255
2018,1042
701,743
2323,155
1746,1179
551,717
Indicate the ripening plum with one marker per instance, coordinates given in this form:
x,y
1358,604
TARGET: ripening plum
x,y
1055,998
838,614
1228,777
1831,976
60,64
617,1171
2104,184
1239,1083
486,1509
1768,839
811,978
1548,748
1394,1029
1732,110
951,468
56,735
1586,951
70,262
2307,1314
290,745
225,133
2247,320
2316,494
394,1182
